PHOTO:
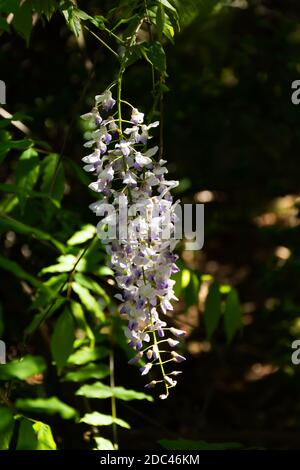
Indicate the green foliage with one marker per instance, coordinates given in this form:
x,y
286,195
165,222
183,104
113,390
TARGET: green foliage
x,y
27,173
212,313
85,355
62,338
35,435
6,427
99,390
51,254
103,444
232,314
99,419
49,406
22,21
90,371
23,368
155,54
83,235
88,301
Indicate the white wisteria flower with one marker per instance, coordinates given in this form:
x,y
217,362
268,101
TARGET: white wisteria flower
x,y
143,260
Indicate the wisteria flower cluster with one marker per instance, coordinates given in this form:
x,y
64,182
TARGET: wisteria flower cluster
x,y
143,259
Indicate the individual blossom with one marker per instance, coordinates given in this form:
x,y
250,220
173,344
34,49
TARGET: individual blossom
x,y
141,254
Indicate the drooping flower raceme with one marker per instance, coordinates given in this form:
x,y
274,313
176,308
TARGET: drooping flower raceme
x,y
131,179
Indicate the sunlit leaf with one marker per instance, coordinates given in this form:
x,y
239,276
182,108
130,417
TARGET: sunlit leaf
x,y
85,355
167,4
90,371
88,301
35,435
80,319
65,264
23,368
99,390
103,444
84,234
50,406
99,419
92,285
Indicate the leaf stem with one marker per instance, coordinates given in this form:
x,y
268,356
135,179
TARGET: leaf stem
x,y
103,42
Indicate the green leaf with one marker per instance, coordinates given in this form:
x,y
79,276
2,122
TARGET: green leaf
x,y
160,20
192,291
85,355
155,54
6,427
65,264
4,26
62,339
43,300
212,312
35,435
14,268
23,368
12,188
22,20
73,17
90,371
185,278
27,439
53,287
27,173
45,7
185,444
91,285
99,419
127,395
99,390
7,144
53,180
19,227
105,271
51,169
9,6
232,314
50,406
99,21
167,4
88,301
132,54
103,444
95,390
81,322
84,234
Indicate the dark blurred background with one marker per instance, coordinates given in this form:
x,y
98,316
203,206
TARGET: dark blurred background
x,y
231,136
